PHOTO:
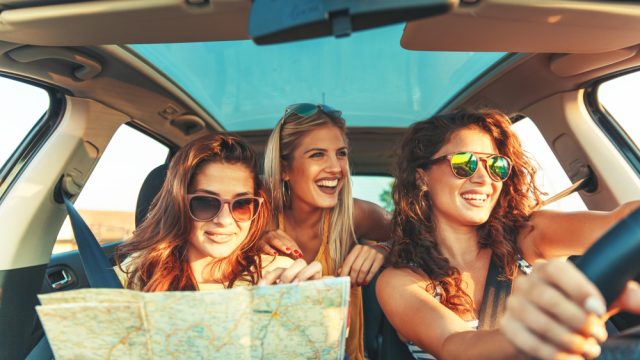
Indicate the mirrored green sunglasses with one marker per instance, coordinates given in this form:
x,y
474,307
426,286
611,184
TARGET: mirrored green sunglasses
x,y
308,109
465,164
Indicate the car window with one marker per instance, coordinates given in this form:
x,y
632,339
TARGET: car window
x,y
22,106
616,97
108,200
376,189
551,177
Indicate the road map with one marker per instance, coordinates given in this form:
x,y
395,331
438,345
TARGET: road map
x,y
305,320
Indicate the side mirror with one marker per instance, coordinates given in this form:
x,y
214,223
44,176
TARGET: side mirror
x,y
277,21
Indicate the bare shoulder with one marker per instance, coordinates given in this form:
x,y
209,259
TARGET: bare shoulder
x,y
371,221
409,306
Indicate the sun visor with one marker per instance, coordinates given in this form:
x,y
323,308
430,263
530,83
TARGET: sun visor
x,y
528,26
104,22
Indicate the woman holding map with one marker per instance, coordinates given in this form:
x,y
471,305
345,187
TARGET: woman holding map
x,y
307,171
203,227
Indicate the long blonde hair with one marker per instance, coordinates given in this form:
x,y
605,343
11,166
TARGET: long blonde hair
x,y
283,141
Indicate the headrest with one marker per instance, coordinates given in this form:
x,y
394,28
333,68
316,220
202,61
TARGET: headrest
x,y
150,188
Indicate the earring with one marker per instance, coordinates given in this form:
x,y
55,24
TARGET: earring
x,y
286,192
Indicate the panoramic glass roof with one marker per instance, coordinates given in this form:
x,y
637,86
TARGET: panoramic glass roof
x,y
367,75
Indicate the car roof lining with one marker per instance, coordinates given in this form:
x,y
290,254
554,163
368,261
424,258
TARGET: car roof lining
x,y
532,72
126,83
125,22
489,25
501,25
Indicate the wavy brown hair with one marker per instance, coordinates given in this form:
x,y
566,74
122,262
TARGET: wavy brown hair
x,y
158,249
415,244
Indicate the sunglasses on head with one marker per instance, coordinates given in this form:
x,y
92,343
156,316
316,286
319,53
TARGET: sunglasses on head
x,y
465,164
308,109
207,207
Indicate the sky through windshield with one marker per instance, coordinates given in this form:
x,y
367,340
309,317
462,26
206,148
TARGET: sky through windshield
x,y
367,75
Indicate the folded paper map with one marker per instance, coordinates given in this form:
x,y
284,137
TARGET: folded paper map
x,y
305,320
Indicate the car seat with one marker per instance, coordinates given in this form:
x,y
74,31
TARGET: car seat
x,y
148,191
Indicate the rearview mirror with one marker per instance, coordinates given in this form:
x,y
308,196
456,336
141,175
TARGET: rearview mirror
x,y
276,21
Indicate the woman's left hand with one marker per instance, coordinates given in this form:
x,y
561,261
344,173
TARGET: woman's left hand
x,y
363,262
298,271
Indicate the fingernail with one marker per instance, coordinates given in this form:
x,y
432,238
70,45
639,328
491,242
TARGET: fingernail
x,y
288,250
275,253
595,305
599,332
592,348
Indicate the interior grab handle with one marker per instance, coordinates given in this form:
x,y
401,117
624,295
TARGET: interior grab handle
x,y
88,68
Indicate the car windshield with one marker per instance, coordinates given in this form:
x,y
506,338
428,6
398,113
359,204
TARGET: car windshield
x,y
368,76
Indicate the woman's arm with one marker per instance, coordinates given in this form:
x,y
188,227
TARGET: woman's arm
x,y
372,226
419,317
370,221
555,233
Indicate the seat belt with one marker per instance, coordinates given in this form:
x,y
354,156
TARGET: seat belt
x,y
99,271
586,181
494,298
97,267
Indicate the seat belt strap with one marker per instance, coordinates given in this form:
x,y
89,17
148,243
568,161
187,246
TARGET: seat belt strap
x,y
494,299
99,271
578,185
587,181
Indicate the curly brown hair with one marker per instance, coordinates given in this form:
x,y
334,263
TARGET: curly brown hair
x,y
415,244
158,249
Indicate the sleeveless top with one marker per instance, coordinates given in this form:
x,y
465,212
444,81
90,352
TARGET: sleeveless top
x,y
354,348
420,354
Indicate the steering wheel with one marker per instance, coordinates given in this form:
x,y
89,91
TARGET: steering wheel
x,y
610,263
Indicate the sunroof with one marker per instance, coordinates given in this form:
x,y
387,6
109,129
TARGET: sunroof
x,y
367,75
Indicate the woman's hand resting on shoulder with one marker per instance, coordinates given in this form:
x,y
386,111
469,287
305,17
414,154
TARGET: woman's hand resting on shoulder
x,y
556,312
363,262
277,242
298,271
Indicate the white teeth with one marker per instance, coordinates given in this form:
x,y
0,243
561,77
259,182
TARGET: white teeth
x,y
328,183
479,197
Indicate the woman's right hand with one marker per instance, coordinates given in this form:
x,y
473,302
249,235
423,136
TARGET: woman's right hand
x,y
277,242
555,312
298,271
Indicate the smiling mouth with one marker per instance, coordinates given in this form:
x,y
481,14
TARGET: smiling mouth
x,y
328,186
219,238
475,198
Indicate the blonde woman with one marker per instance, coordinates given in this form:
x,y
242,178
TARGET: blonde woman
x,y
307,173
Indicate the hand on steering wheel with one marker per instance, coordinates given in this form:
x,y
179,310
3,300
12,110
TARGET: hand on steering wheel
x,y
560,310
555,312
